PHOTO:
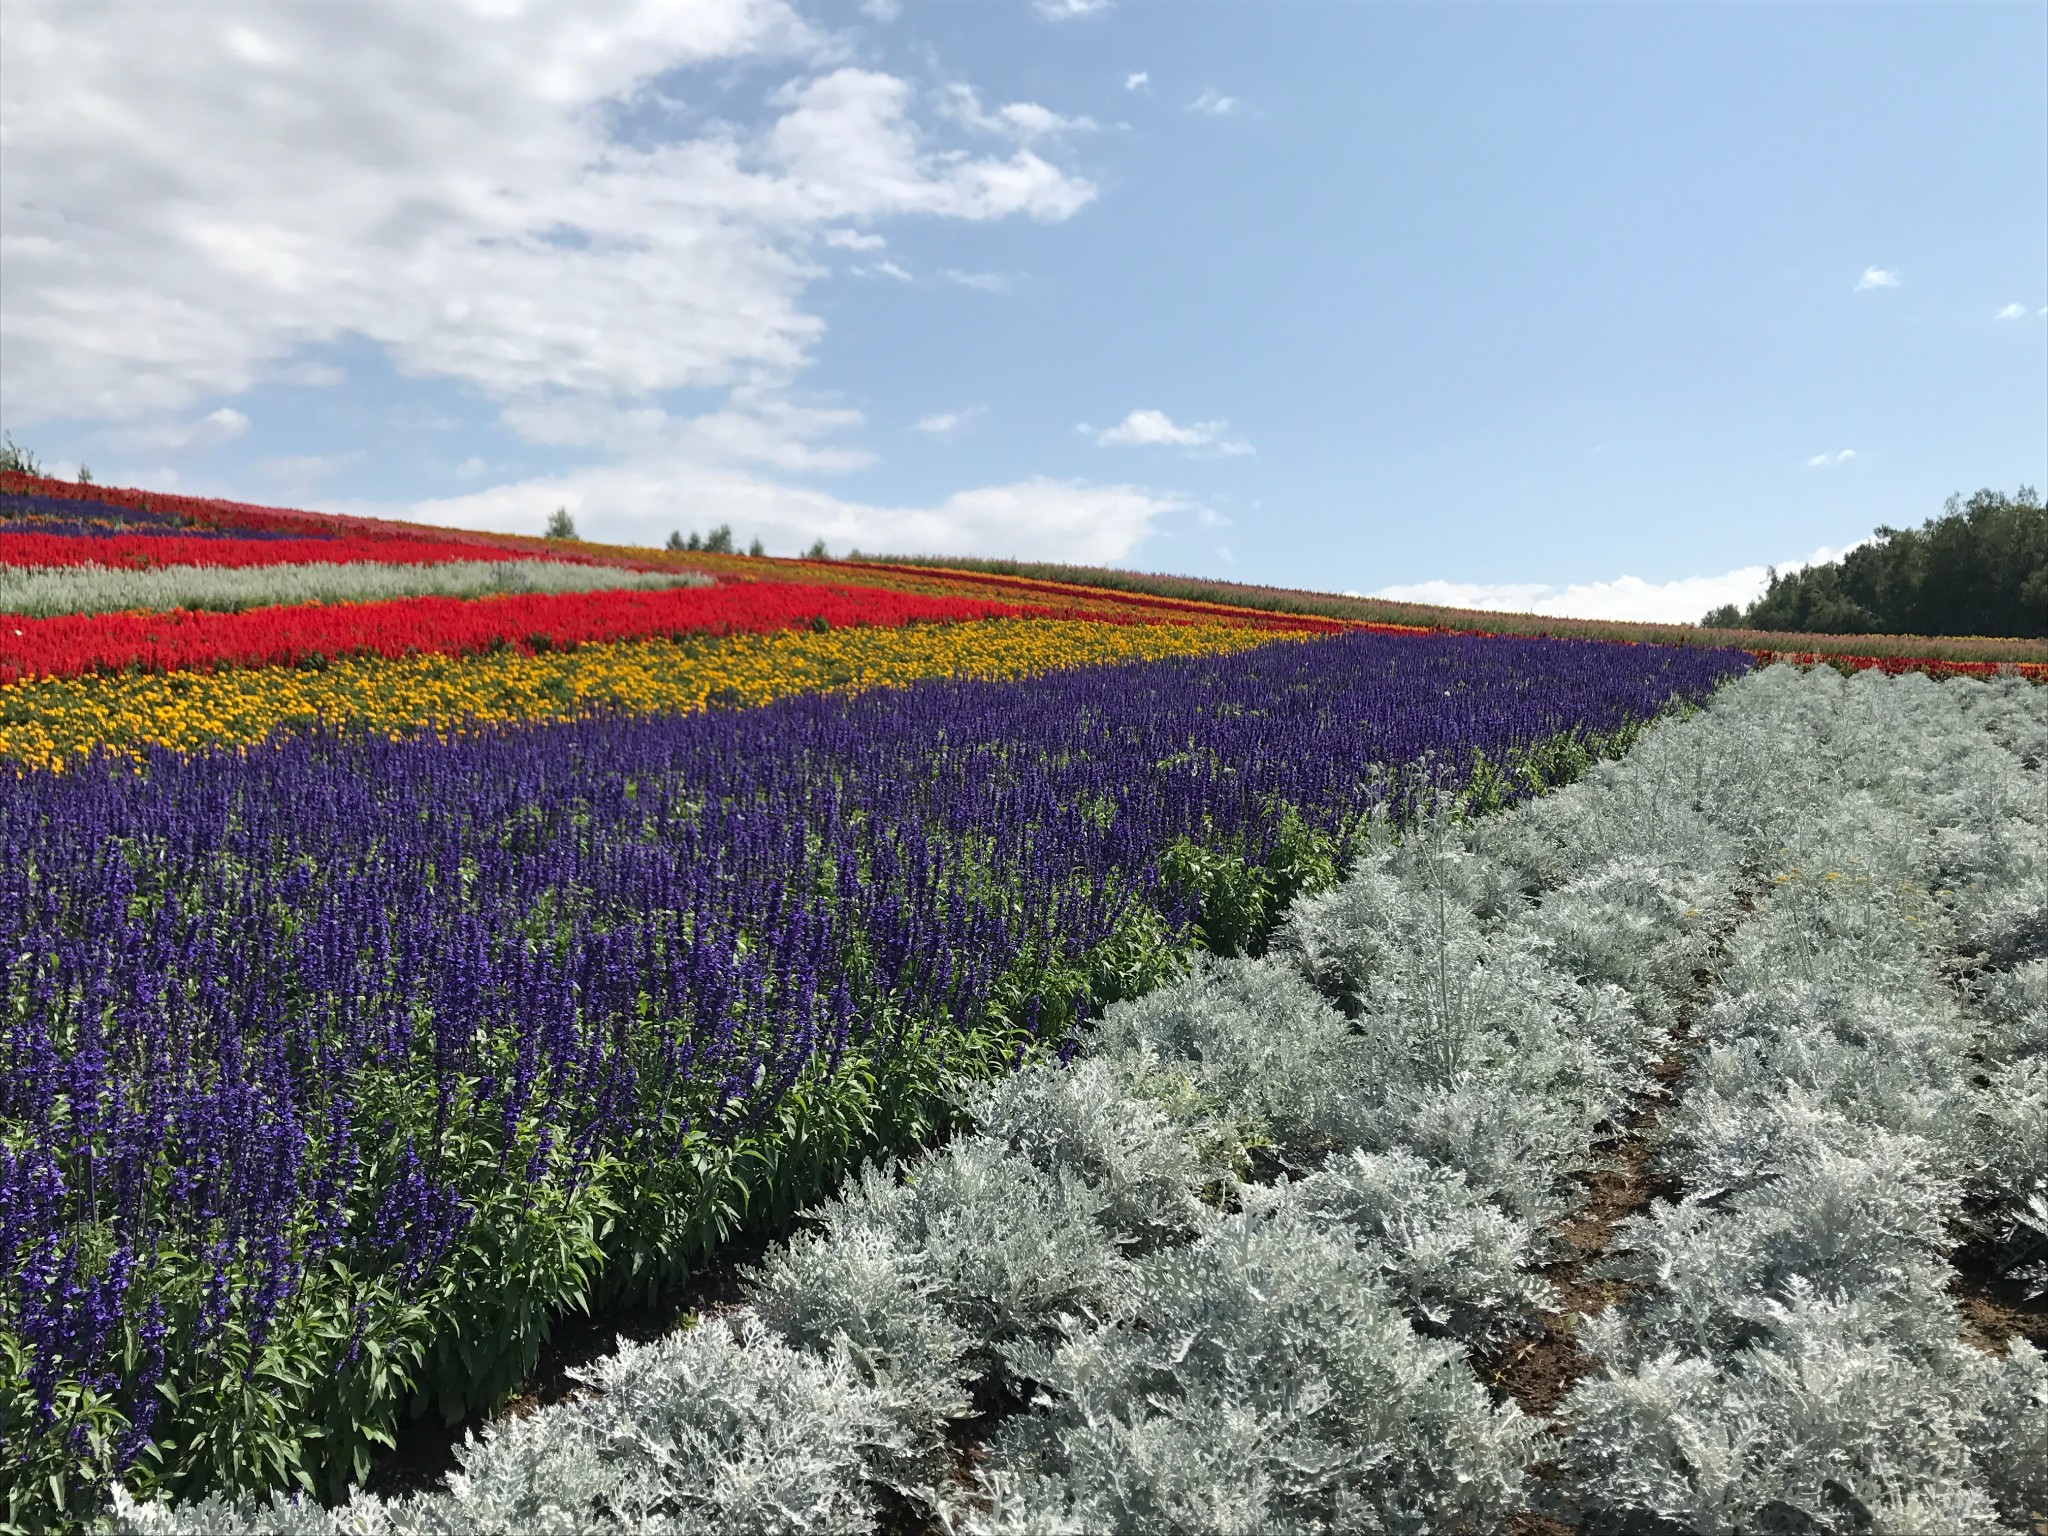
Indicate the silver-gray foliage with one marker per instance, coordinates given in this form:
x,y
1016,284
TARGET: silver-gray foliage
x,y
109,589
1264,1382
721,1430
1457,1263
1790,1359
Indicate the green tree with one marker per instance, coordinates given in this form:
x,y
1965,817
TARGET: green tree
x,y
1727,616
561,525
1981,568
756,549
15,459
818,551
719,540
675,539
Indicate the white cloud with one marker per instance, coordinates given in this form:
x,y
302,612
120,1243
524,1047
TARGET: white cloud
x,y
188,204
209,431
2015,312
984,282
1214,103
1156,429
1626,597
302,470
1876,277
1067,10
1137,80
1034,519
1022,120
946,423
1828,460
310,375
191,204
756,427
881,10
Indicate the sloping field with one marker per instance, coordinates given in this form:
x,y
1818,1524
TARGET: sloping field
x,y
1263,1256
1855,652
1208,1073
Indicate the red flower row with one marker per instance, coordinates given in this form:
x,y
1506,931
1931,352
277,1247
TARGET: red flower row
x,y
215,514
70,644
1892,666
1132,607
146,549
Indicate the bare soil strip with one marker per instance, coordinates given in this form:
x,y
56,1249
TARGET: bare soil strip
x,y
1539,1370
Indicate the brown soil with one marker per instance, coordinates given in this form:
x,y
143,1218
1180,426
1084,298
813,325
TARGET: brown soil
x,y
1996,1308
1539,1369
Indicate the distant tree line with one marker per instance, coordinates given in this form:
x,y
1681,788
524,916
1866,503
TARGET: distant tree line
x,y
717,542
1981,568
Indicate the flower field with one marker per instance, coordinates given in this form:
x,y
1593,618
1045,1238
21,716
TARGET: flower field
x,y
1178,1038
50,721
1262,1255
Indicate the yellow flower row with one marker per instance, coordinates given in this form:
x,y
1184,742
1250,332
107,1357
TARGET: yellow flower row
x,y
47,722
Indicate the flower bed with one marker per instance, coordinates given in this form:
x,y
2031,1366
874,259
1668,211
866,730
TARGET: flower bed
x,y
337,1067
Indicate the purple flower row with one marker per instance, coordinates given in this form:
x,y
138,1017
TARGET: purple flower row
x,y
249,1001
76,518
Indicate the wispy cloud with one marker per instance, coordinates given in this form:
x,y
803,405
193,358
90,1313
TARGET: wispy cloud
x,y
1021,120
981,282
1682,601
1039,518
1827,460
1067,10
2015,312
884,269
305,469
853,240
946,423
209,431
1213,103
1137,80
1156,429
582,261
1876,277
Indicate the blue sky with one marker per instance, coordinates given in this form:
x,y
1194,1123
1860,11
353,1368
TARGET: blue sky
x,y
1595,308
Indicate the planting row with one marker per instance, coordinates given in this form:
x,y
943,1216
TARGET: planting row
x,y
66,516
98,503
49,722
1790,1357
100,589
1222,1273
69,645
149,549
335,1068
